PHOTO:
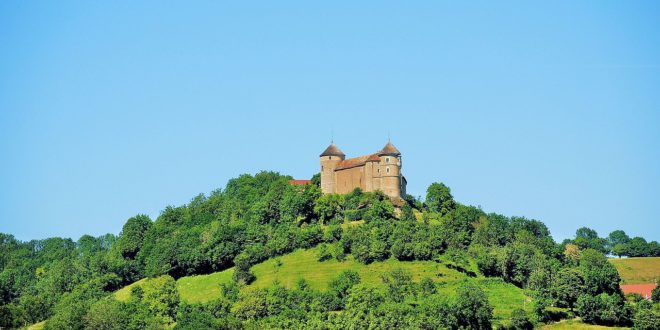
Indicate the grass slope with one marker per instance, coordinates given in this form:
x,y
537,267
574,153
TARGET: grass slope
x,y
577,325
638,270
288,269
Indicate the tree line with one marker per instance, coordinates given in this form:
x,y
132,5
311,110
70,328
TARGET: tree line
x,y
258,217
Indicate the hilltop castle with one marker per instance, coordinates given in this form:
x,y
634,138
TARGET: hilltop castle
x,y
377,171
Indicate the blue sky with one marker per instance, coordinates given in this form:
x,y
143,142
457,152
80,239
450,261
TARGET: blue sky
x,y
107,110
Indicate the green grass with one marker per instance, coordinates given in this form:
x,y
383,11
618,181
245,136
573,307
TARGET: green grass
x,y
124,293
638,270
577,325
288,269
201,288
37,326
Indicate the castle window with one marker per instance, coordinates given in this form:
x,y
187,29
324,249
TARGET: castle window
x,y
387,159
330,157
321,167
387,170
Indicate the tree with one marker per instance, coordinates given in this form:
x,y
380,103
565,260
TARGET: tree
x,y
132,236
600,276
472,308
161,297
343,283
520,321
637,247
655,294
646,319
439,198
242,274
399,284
107,314
587,238
617,237
567,287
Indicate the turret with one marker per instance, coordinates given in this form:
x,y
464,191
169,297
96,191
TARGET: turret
x,y
330,159
390,170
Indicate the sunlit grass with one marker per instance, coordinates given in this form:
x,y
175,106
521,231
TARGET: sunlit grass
x,y
638,270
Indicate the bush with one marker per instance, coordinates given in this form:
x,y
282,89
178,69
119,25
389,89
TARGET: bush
x,y
353,215
646,319
472,308
323,253
520,321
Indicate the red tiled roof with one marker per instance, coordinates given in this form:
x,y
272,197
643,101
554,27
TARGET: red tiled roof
x,y
357,161
300,181
643,289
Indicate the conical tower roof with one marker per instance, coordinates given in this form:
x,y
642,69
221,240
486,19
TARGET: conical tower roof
x,y
332,150
390,149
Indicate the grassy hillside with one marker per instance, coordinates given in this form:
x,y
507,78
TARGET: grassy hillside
x,y
638,270
288,269
577,325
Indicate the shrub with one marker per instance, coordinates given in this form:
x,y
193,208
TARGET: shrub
x,y
646,319
520,321
323,253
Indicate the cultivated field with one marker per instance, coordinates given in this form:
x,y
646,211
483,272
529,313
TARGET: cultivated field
x,y
637,270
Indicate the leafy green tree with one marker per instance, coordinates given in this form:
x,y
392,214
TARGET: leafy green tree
x,y
439,199
399,284
520,321
615,238
655,293
242,274
472,308
427,287
587,238
341,285
567,286
638,247
646,319
132,236
107,314
161,297
329,207
600,276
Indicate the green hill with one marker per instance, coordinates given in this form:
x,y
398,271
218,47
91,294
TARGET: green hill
x,y
638,270
303,264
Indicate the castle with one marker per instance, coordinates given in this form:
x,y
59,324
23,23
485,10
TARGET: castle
x,y
377,171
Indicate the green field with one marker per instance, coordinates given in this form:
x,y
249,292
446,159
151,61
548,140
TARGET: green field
x,y
577,325
303,264
637,270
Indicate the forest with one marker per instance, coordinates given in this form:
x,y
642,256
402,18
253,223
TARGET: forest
x,y
70,284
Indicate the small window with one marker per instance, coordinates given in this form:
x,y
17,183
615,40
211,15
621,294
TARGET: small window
x,y
321,167
387,170
387,159
378,170
330,157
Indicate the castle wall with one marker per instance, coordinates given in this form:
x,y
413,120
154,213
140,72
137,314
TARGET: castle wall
x,y
350,178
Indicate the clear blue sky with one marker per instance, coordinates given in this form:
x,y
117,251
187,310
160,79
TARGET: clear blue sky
x,y
107,110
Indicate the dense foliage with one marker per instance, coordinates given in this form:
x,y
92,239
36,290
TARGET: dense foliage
x,y
258,217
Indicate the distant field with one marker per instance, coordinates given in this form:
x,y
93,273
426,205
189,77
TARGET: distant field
x,y
577,325
637,270
288,269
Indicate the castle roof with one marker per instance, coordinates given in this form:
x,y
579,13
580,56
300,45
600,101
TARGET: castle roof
x,y
332,150
390,149
357,161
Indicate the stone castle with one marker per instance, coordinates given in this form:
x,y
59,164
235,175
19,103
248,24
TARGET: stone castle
x,y
377,171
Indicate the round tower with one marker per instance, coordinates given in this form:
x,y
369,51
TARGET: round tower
x,y
330,159
390,170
